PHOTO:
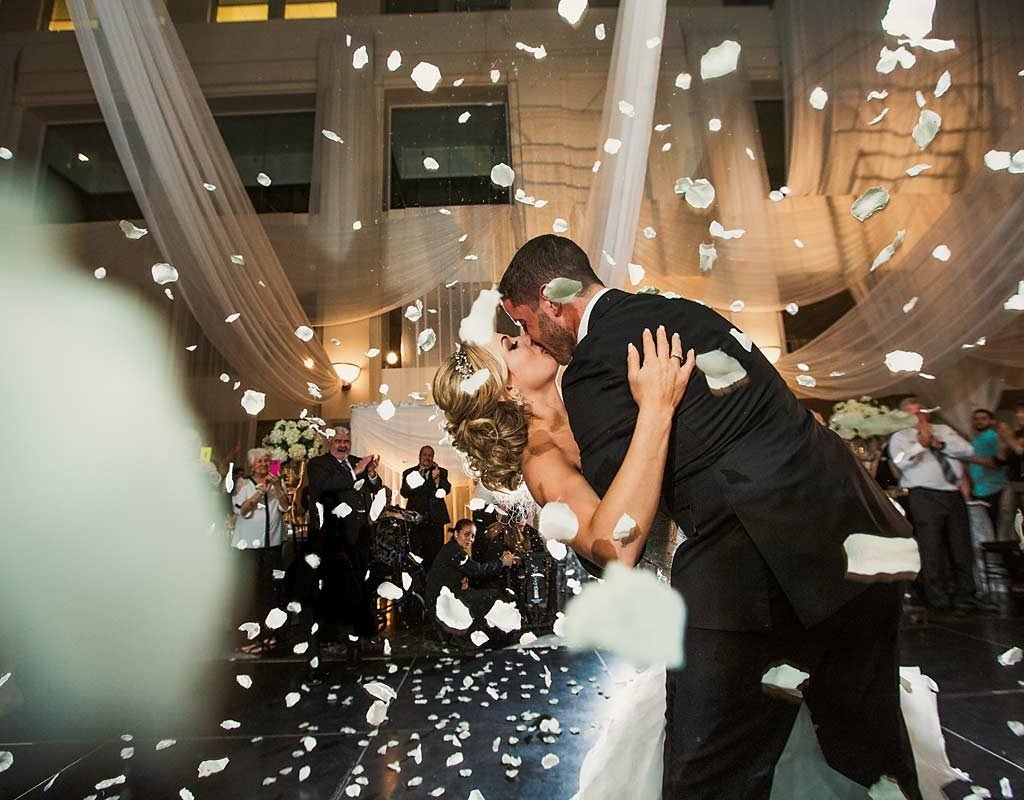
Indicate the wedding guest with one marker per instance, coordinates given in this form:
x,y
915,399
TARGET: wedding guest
x,y
927,456
986,466
420,495
1013,443
341,489
454,567
259,502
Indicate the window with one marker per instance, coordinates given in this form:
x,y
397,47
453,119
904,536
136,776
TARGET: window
x,y
60,17
815,319
462,154
427,6
281,147
81,178
248,11
771,124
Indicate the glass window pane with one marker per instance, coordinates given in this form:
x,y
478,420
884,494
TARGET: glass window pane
x,y
242,11
465,154
310,9
60,17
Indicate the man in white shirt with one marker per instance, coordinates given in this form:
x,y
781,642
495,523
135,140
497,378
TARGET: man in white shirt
x,y
927,456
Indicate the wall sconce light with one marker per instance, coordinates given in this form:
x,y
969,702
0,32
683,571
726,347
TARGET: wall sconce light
x,y
347,374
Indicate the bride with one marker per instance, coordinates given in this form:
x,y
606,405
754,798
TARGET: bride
x,y
504,412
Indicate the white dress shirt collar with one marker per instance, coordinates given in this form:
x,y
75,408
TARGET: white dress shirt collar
x,y
585,319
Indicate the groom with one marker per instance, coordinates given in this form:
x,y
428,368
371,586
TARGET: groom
x,y
766,497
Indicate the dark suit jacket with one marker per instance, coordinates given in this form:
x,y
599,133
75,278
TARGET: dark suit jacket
x,y
331,483
422,499
765,494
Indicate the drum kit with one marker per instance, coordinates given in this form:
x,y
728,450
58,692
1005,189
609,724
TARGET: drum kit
x,y
392,535
538,580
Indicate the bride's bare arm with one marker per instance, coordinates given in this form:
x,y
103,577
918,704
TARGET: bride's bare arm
x,y
657,386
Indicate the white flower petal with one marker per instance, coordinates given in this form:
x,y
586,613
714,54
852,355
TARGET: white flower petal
x,y
880,117
792,309
479,638
502,175
253,402
304,332
714,124
917,169
719,60
719,232
360,58
708,254
212,766
943,83
478,327
889,250
1012,656
6,154
562,290
808,381
430,164
389,591
451,611
818,98
904,361
876,95
164,273
464,117
559,225
631,614
473,383
377,713
942,253
624,528
130,231
504,616
721,370
873,200
927,128
377,506
386,410
275,618
745,341
426,76
332,136
6,760
736,306
557,550
612,145
912,18
870,556
649,232
785,678
558,521
636,273
626,109
572,10
549,760
599,32
341,510
394,60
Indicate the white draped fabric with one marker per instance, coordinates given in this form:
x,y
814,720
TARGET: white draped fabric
x,y
345,271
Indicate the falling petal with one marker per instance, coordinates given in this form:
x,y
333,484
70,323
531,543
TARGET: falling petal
x,y
636,273
379,501
389,591
212,766
100,273
332,136
943,83
504,616
880,117
341,510
599,32
502,175
626,109
818,98
209,187
360,58
889,250
904,361
473,383
873,200
1012,656
875,95
917,169
373,352
478,327
572,10
719,60
792,309
263,179
562,290
253,402
942,253
464,117
6,760
707,254
714,124
612,145
275,618
451,611
912,18
6,154
631,614
164,273
430,164
559,225
394,60
558,521
549,760
479,638
745,341
785,678
721,371
130,231
927,128
807,381
624,528
304,332
698,193
233,317
872,557
426,340
909,305
426,76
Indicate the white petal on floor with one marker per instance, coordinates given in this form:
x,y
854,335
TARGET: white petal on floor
x,y
881,557
631,614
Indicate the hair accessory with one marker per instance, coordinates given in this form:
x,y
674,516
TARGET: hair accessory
x,y
462,365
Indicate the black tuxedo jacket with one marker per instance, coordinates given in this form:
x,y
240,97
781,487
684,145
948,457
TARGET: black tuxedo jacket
x,y
765,495
422,499
332,483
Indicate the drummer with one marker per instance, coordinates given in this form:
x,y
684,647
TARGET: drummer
x,y
454,566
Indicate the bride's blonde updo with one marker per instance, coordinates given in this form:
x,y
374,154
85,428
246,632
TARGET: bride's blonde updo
x,y
489,425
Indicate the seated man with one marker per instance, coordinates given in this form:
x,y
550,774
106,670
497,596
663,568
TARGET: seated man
x,y
454,566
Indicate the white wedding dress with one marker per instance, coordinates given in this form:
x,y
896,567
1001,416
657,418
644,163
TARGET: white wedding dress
x,y
626,760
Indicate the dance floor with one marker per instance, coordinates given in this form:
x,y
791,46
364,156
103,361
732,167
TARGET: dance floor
x,y
497,705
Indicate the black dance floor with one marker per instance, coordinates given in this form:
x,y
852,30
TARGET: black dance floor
x,y
459,723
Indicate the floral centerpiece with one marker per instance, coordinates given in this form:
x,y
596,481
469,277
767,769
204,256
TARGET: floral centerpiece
x,y
294,440
864,424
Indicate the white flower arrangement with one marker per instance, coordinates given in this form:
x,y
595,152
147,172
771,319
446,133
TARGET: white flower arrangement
x,y
294,440
865,418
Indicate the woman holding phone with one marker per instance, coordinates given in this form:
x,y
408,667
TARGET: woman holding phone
x,y
259,503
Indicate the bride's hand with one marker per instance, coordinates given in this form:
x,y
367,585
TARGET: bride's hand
x,y
660,383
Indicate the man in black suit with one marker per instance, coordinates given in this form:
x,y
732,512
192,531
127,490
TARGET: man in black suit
x,y
766,497
420,487
344,486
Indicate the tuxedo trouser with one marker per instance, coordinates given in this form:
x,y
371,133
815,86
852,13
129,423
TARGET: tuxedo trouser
x,y
943,533
725,733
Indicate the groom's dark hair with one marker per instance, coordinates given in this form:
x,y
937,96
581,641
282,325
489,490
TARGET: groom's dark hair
x,y
541,260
